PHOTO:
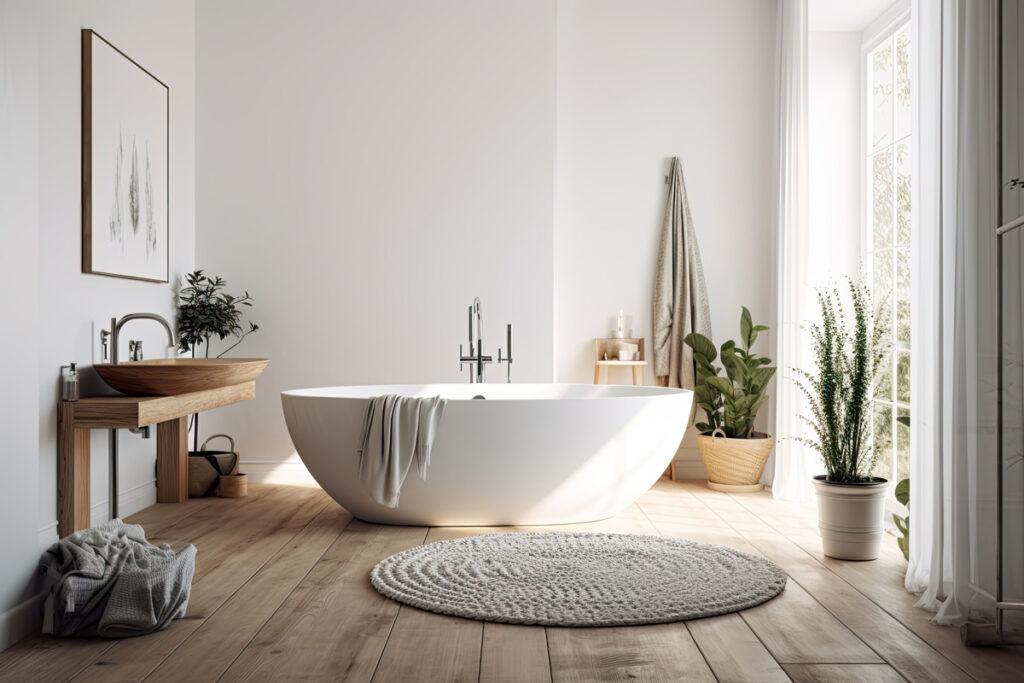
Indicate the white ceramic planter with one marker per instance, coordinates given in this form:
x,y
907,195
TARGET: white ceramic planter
x,y
850,517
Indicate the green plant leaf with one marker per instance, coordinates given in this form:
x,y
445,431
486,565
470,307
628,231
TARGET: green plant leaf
x,y
722,384
902,492
702,345
746,328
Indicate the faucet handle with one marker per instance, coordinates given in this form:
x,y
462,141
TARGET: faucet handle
x,y
134,350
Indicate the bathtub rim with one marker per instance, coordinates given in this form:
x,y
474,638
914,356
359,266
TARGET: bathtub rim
x,y
634,391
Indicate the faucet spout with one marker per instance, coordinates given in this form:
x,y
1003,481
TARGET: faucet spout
x,y
116,325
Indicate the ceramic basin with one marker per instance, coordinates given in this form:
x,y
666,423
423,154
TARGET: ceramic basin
x,y
172,376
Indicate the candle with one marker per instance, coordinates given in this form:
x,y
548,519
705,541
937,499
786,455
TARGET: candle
x,y
620,320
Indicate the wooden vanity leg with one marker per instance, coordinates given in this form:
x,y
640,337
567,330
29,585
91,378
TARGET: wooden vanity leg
x,y
73,509
172,461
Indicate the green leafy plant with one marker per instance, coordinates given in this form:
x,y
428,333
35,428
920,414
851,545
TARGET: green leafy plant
x,y
206,311
839,395
903,523
731,401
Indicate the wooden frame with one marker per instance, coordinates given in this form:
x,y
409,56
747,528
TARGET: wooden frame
x,y
88,265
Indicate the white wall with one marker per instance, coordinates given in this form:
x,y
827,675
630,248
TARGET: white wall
x,y
59,302
834,134
19,216
365,170
638,83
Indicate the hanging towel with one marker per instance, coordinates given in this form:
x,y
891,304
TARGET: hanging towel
x,y
680,295
109,581
397,431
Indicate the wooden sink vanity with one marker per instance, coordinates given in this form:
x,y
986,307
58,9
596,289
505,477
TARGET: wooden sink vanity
x,y
170,414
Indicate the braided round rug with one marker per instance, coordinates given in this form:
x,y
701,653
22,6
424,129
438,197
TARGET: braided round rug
x,y
577,579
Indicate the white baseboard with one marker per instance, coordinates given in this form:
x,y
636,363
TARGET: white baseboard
x,y
129,501
276,472
22,620
47,536
132,500
690,469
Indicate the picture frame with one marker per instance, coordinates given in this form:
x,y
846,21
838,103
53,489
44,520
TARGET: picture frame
x,y
125,165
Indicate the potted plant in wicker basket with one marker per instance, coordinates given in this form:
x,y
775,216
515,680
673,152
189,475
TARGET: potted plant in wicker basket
x,y
851,501
734,454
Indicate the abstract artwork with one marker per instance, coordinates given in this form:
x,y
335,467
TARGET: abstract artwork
x,y
124,165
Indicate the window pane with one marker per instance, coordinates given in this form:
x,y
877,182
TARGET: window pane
x,y
903,72
903,377
903,193
882,445
883,380
903,297
902,444
881,95
881,281
881,199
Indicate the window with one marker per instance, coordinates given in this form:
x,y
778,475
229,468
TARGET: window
x,y
888,133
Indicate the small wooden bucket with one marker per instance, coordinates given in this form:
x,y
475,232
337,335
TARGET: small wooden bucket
x,y
233,486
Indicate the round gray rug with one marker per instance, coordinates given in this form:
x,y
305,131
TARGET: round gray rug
x,y
575,579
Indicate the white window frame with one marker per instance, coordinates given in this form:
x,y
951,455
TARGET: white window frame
x,y
882,29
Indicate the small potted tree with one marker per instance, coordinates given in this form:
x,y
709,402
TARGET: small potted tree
x,y
851,501
734,454
206,311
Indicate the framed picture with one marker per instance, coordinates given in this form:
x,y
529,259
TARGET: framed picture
x,y
124,165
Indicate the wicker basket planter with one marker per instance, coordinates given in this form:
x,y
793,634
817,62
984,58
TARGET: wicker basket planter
x,y
735,465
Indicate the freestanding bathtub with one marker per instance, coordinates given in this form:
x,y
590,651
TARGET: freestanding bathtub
x,y
526,454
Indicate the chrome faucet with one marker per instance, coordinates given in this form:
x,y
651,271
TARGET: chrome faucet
x,y
477,360
135,354
115,333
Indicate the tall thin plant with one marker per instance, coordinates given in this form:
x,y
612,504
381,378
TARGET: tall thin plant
x,y
848,358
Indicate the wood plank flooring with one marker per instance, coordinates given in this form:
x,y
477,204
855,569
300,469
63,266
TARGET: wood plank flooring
x,y
281,592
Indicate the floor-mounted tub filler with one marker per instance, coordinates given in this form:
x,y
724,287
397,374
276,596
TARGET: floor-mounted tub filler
x,y
526,454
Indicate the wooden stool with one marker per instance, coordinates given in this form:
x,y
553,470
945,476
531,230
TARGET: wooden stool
x,y
606,355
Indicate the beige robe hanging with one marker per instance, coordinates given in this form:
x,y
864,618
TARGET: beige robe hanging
x,y
680,295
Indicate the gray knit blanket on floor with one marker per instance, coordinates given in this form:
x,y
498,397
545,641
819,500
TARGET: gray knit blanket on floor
x,y
109,581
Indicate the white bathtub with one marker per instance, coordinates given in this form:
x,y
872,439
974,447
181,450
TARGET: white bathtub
x,y
528,454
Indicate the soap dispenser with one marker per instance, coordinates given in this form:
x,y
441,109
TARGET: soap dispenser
x,y
69,382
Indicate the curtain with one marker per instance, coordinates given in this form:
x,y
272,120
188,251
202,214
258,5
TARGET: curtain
x,y
954,380
792,462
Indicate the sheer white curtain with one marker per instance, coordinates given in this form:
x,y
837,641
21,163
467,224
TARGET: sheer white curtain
x,y
953,383
792,465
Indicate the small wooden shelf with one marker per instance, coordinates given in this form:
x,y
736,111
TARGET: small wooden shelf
x,y
132,412
609,347
170,414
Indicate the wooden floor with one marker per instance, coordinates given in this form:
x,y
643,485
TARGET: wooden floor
x,y
281,592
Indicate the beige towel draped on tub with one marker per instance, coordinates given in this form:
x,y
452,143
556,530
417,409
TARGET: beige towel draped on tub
x,y
680,295
398,432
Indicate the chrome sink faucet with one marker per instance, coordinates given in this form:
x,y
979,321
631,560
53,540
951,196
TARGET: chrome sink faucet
x,y
477,360
135,354
135,348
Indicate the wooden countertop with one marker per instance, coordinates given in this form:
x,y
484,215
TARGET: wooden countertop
x,y
117,412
